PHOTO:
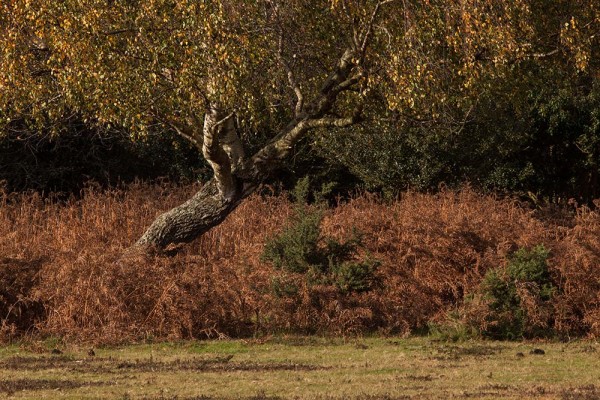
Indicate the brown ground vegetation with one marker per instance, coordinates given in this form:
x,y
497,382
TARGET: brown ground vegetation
x,y
65,271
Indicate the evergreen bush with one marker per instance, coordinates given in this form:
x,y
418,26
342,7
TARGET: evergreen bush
x,y
518,300
302,249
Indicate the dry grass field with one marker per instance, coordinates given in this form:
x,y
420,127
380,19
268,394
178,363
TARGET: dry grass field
x,y
304,368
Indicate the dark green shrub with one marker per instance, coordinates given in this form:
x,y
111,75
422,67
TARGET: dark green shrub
x,y
301,249
531,266
527,277
355,276
296,248
505,313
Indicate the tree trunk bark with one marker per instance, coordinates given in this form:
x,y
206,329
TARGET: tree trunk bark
x,y
186,222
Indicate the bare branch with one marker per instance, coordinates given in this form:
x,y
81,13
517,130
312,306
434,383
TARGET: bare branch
x,y
120,31
135,30
182,130
185,135
544,55
224,119
355,36
333,122
369,29
344,67
316,114
280,148
290,75
349,83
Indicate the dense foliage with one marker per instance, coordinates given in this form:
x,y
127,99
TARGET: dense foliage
x,y
502,94
301,248
82,156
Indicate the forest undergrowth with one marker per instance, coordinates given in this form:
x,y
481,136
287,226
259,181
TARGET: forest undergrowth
x,y
457,263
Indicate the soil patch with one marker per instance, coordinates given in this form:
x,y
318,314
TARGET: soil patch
x,y
111,365
588,392
11,386
265,397
424,378
202,365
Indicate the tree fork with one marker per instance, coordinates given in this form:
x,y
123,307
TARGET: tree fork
x,y
223,150
235,175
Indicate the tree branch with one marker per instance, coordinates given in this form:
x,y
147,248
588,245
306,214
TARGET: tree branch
x,y
184,135
315,114
281,148
224,119
333,122
544,55
290,75
349,83
340,74
182,130
369,29
214,128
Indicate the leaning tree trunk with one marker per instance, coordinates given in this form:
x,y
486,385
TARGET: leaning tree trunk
x,y
237,176
186,222
217,198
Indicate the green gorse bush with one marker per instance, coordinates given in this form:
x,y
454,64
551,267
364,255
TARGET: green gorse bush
x,y
302,249
527,274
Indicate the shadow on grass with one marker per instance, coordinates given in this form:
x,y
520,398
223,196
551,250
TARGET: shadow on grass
x,y
11,386
107,365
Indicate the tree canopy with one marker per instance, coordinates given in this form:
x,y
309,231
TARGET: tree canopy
x,y
138,64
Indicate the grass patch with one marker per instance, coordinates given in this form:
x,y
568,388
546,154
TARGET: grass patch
x,y
307,368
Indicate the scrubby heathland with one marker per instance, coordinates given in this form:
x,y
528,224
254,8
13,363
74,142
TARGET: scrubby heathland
x,y
456,263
